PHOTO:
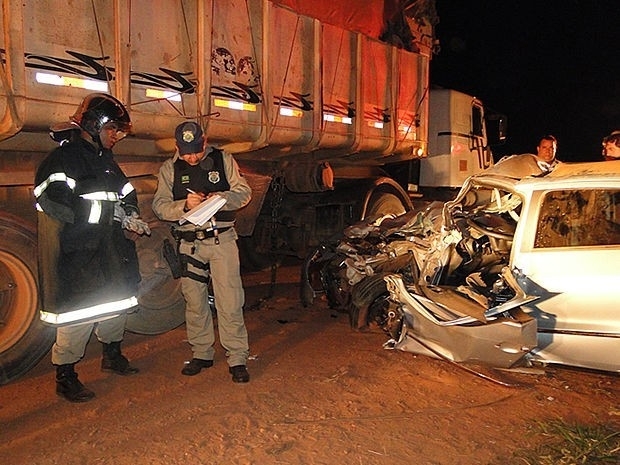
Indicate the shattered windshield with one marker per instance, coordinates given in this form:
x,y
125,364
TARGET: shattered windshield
x,y
574,218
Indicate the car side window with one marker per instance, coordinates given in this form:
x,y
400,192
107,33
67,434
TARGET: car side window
x,y
579,218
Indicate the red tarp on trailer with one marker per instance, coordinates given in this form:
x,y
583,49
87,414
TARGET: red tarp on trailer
x,y
364,16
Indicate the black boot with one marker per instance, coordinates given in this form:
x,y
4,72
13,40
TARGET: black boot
x,y
68,385
115,362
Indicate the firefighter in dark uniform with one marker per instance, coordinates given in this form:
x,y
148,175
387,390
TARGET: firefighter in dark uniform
x,y
196,172
88,267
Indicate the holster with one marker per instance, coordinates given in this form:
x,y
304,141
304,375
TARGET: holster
x,y
178,263
173,259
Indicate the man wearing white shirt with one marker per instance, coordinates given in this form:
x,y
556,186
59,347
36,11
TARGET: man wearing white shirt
x,y
545,153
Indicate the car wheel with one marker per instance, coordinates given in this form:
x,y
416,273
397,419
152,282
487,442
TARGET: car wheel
x,y
367,298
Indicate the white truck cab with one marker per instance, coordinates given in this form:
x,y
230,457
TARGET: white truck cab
x,y
458,140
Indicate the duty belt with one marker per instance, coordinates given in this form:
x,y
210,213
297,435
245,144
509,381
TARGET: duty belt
x,y
198,235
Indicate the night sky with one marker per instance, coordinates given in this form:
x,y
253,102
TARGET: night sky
x,y
552,66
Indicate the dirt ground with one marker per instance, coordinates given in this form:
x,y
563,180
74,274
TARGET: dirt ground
x,y
320,393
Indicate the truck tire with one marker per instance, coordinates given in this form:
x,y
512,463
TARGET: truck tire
x,y
384,203
24,340
161,304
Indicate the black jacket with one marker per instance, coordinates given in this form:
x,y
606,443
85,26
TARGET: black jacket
x,y
95,264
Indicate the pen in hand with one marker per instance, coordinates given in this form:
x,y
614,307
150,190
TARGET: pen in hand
x,y
192,201
194,192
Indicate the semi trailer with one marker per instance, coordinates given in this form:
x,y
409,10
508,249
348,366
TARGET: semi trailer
x,y
327,107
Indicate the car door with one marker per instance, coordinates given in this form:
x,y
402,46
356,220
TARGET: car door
x,y
568,249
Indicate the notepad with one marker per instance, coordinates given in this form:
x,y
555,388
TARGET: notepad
x,y
204,212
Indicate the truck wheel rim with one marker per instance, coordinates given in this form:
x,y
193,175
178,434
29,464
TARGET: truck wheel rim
x,y
17,299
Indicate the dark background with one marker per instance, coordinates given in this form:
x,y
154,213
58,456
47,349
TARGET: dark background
x,y
552,66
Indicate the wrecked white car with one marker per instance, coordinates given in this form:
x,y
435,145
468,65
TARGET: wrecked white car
x,y
521,268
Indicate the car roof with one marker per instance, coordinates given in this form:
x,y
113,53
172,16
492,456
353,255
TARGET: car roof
x,y
597,168
521,172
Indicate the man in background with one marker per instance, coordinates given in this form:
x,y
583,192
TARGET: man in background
x,y
545,153
611,146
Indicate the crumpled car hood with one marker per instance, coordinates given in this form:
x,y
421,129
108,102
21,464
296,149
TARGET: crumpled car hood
x,y
486,277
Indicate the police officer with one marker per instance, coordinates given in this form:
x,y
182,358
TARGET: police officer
x,y
89,267
196,172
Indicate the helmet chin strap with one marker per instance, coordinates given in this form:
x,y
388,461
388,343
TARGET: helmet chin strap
x,y
95,140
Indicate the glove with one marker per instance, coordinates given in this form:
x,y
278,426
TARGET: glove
x,y
133,223
119,212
